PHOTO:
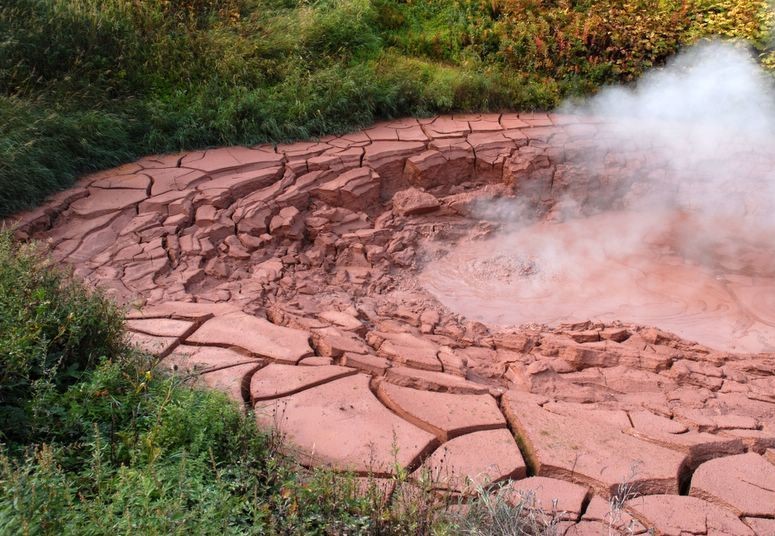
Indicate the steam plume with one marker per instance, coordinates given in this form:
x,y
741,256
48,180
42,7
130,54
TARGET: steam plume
x,y
676,209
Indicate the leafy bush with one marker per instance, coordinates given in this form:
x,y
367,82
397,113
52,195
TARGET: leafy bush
x,y
750,20
135,453
590,43
595,41
51,330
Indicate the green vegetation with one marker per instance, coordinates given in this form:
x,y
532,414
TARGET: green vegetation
x,y
95,441
86,84
50,332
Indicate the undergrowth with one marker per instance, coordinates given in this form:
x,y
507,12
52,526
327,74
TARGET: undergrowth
x,y
51,331
86,84
94,439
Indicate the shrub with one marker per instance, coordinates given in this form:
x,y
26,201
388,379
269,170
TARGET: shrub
x,y
51,330
749,20
589,43
131,452
86,84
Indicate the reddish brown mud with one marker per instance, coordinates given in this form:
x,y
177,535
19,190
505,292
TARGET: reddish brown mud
x,y
455,294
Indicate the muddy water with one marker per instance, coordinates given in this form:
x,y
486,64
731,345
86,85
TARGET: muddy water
x,y
658,269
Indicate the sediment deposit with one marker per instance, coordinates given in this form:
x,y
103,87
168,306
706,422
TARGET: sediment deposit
x,y
375,298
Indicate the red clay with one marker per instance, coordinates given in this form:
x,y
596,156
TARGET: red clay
x,y
369,295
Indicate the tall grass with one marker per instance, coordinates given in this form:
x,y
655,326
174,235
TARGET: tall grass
x,y
88,83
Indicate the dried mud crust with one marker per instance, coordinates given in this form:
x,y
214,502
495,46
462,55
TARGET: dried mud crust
x,y
285,276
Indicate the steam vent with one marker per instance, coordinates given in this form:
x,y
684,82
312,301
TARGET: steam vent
x,y
522,297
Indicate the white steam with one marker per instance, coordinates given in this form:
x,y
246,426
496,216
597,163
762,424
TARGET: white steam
x,y
713,83
705,124
684,191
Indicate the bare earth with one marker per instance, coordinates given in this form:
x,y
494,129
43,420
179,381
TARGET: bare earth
x,y
360,293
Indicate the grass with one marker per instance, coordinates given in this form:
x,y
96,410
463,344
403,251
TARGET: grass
x,y
86,84
94,440
493,514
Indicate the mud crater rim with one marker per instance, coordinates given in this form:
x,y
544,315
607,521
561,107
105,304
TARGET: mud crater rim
x,y
285,277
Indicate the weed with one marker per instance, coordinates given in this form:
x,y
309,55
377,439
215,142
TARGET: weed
x,y
495,512
52,329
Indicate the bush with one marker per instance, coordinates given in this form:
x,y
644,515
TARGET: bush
x,y
51,330
135,454
596,42
86,84
132,452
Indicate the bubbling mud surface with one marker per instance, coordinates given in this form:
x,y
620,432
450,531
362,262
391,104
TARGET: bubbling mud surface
x,y
608,267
